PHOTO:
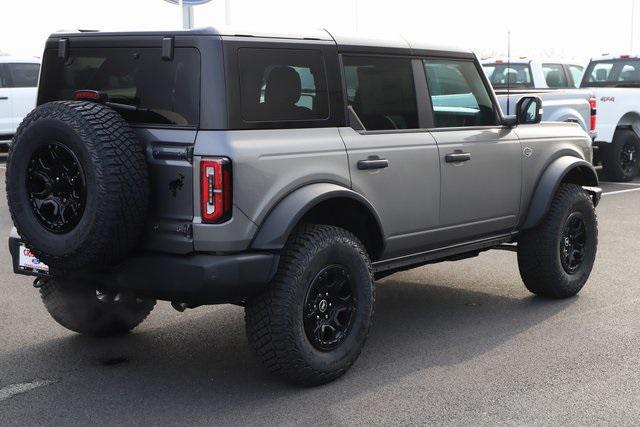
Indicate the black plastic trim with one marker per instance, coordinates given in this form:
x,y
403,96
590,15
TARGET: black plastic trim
x,y
195,278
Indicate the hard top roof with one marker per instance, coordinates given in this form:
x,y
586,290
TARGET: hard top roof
x,y
350,41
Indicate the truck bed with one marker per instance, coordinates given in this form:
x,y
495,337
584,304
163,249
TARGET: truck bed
x,y
560,105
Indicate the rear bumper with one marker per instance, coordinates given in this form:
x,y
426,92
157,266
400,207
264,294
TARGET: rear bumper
x,y
197,278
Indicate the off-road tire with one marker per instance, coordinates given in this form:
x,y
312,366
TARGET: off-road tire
x,y
274,319
612,153
76,307
116,180
539,249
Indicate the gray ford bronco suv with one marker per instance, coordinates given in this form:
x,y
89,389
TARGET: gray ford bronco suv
x,y
282,173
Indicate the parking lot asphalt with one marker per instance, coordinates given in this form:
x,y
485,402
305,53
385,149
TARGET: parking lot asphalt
x,y
452,343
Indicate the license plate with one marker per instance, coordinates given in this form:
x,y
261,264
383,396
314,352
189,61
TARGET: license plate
x,y
28,262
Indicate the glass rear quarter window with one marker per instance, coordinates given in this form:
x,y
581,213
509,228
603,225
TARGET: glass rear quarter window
x,y
138,83
381,91
576,74
282,85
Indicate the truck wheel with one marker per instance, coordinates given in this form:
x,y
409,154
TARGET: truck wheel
x,y
620,160
555,258
85,310
311,324
77,185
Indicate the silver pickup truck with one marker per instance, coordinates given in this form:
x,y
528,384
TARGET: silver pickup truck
x,y
553,81
560,105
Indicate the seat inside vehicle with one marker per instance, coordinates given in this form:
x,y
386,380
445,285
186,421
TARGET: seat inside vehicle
x,y
554,79
381,99
283,90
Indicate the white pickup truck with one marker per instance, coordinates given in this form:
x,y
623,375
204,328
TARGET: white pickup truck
x,y
18,90
553,81
615,81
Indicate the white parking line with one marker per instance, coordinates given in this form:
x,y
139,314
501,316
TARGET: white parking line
x,y
632,184
13,389
611,193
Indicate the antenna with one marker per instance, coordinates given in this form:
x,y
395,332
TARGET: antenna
x,y
508,73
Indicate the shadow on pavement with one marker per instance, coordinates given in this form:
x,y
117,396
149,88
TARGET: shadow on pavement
x,y
201,369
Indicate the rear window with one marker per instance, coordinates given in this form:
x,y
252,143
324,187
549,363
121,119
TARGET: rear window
x,y
618,72
513,75
139,84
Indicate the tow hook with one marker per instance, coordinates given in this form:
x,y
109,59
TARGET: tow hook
x,y
182,306
39,282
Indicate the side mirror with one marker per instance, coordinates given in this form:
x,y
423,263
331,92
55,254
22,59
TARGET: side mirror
x,y
529,110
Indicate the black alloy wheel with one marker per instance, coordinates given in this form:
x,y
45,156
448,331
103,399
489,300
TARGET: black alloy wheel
x,y
57,187
329,308
573,243
629,159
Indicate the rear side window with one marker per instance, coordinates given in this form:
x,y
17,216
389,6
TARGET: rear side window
x,y
282,85
19,75
555,76
4,76
139,84
509,75
381,91
458,94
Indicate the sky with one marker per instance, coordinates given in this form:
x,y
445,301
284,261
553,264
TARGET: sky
x,y
572,29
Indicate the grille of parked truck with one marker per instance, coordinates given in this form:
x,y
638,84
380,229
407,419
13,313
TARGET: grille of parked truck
x,y
615,82
552,80
283,173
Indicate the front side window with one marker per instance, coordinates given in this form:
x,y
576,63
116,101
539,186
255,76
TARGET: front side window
x,y
458,94
381,91
23,74
282,85
576,74
555,76
509,75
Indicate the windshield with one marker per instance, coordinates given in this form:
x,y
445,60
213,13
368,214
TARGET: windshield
x,y
615,72
149,89
513,75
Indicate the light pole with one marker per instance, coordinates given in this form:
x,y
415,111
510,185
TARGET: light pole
x,y
633,21
186,10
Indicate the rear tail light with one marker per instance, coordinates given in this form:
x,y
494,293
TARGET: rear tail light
x,y
592,104
215,190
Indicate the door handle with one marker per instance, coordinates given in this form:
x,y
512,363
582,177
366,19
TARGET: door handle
x,y
373,163
457,157
3,98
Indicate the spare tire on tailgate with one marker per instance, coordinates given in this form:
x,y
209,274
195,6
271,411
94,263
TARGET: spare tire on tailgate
x,y
77,185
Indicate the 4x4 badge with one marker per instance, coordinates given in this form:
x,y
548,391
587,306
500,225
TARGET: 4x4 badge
x,y
527,151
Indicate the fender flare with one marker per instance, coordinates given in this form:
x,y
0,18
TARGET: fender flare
x,y
549,182
280,222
